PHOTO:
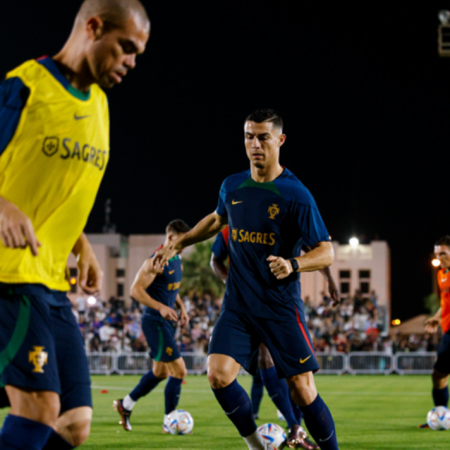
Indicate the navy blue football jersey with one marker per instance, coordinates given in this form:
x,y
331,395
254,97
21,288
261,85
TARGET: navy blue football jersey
x,y
165,287
274,218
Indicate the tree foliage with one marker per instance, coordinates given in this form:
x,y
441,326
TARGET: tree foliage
x,y
197,274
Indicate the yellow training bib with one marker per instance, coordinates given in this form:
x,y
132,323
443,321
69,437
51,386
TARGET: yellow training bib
x,y
51,170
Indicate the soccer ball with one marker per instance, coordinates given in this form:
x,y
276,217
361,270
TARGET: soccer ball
x,y
179,422
439,418
272,434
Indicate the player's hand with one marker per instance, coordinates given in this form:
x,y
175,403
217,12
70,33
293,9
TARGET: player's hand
x,y
90,273
334,293
16,229
431,325
184,318
162,257
168,313
280,267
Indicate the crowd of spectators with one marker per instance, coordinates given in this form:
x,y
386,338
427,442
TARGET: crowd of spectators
x,y
356,324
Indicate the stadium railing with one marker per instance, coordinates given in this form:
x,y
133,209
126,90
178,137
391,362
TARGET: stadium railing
x,y
354,363
415,363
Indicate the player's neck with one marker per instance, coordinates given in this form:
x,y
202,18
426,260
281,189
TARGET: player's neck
x,y
73,64
266,174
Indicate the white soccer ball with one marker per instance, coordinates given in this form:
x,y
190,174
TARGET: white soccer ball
x,y
280,416
179,422
273,435
439,418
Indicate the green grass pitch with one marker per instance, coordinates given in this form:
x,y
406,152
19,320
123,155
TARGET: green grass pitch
x,y
371,413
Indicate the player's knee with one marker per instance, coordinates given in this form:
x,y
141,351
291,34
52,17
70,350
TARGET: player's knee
x,y
80,432
161,373
218,379
180,373
440,380
303,389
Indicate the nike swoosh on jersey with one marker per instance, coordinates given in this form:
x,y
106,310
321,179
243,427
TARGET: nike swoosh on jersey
x,y
80,117
171,272
304,360
444,279
235,203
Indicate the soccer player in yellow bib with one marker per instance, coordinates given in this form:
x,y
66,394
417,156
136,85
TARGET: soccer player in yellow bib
x,y
54,148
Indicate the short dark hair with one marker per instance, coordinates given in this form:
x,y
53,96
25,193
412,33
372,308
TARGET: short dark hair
x,y
178,226
266,115
444,241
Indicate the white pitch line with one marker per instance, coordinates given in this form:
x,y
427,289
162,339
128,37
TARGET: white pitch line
x,y
353,394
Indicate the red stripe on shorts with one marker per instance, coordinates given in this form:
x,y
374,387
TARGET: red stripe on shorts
x,y
305,335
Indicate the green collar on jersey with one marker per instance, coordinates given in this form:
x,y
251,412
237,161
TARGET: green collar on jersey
x,y
270,186
174,258
79,94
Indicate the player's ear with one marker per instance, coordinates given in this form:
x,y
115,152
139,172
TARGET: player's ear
x,y
282,139
95,28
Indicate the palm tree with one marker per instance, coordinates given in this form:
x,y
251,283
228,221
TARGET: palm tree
x,y
197,274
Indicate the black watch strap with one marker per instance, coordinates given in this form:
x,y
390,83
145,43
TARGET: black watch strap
x,y
294,264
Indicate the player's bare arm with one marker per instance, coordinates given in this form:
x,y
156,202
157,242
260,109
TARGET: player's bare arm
x,y
332,286
184,317
432,324
145,277
16,229
320,256
91,274
206,228
219,268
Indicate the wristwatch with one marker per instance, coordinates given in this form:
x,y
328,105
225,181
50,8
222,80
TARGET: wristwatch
x,y
294,264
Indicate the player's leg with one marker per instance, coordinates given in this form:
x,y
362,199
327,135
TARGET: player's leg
x,y
172,392
440,388
256,394
74,423
297,363
277,389
29,370
232,345
279,393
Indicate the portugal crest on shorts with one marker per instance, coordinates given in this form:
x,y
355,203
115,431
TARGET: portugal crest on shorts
x,y
38,358
273,211
169,351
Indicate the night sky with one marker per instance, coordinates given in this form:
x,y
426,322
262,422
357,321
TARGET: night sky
x,y
363,93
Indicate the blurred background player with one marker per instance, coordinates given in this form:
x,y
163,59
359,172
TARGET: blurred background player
x,y
442,365
266,374
158,291
54,148
271,216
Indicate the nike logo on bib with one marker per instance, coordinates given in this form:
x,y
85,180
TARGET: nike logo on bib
x,y
80,117
304,360
235,203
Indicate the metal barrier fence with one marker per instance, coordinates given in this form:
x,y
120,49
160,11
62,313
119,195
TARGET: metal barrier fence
x,y
330,363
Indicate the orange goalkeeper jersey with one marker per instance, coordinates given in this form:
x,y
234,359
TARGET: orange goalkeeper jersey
x,y
444,287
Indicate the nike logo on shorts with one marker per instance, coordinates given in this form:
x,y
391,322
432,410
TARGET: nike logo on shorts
x,y
304,360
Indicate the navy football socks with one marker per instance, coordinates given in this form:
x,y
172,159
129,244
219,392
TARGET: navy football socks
x,y
440,396
237,406
19,433
56,442
257,392
147,383
297,411
320,424
279,393
172,393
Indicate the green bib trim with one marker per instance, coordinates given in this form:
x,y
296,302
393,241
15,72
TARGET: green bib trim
x,y
270,186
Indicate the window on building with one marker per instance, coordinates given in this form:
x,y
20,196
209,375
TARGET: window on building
x,y
365,288
344,282
364,274
120,290
120,273
345,287
345,274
